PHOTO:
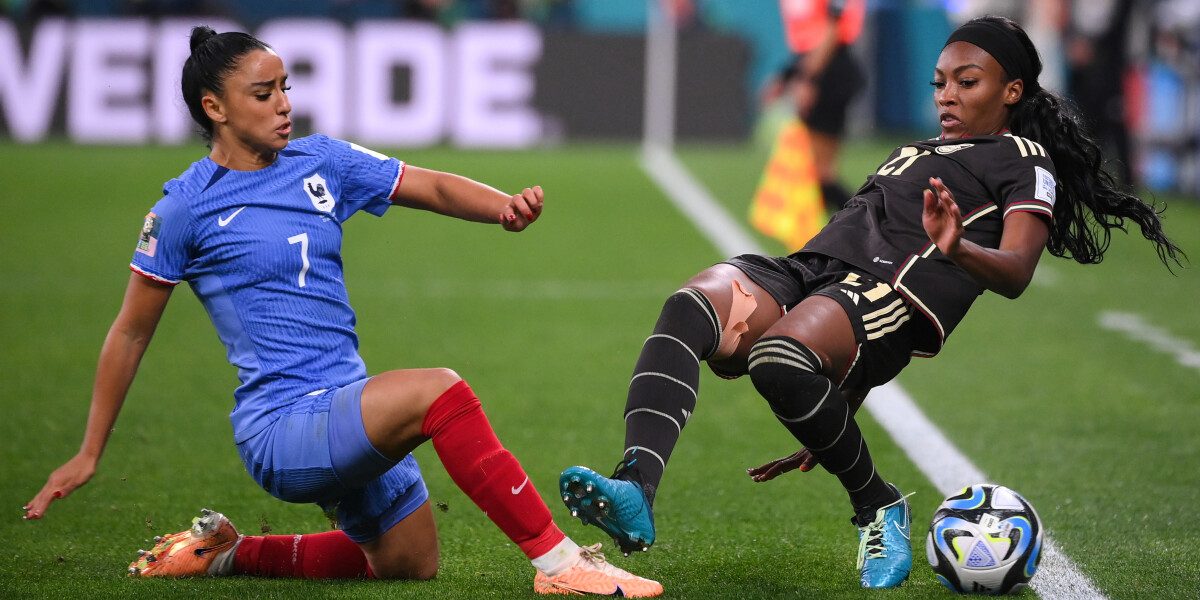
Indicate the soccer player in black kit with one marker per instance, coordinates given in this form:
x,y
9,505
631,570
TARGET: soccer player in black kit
x,y
891,275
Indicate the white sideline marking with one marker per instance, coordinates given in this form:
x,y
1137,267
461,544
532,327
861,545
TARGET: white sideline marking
x,y
942,463
1137,329
696,203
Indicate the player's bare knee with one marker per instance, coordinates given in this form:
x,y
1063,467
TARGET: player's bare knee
x,y
418,568
443,379
427,570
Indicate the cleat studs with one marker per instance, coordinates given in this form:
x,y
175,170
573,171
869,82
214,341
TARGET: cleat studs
x,y
574,513
158,538
588,488
134,571
141,552
566,497
150,558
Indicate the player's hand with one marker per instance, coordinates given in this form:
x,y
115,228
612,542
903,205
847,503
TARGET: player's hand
x,y
803,460
62,482
523,209
942,220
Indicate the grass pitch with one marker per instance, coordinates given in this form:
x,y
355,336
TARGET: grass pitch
x,y
1096,429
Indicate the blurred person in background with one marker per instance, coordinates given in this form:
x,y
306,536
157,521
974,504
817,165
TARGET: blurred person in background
x,y
1012,174
255,228
823,78
1097,49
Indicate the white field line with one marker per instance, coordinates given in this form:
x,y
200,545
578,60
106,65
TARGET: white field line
x,y
1137,329
941,462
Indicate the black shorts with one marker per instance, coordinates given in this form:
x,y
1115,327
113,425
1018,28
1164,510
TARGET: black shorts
x,y
884,324
837,86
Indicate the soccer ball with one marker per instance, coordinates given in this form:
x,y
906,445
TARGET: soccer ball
x,y
986,539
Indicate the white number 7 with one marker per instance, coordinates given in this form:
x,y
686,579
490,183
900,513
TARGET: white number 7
x,y
302,239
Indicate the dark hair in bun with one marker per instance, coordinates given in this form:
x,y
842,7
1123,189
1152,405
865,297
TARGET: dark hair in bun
x,y
213,56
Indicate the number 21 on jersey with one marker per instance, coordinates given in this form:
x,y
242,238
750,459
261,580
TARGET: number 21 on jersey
x,y
908,156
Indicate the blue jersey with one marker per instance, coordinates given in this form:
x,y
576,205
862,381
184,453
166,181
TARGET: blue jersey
x,y
262,251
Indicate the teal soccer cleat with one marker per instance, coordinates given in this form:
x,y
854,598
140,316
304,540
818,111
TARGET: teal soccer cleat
x,y
616,506
884,550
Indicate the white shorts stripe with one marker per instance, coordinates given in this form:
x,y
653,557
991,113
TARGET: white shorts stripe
x,y
889,329
888,308
882,321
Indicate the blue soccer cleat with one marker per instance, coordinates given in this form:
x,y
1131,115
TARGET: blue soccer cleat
x,y
616,506
884,550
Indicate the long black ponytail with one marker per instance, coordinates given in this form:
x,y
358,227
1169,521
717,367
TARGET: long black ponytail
x,y
1089,202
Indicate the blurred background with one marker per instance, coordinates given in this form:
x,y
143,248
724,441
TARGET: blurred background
x,y
526,73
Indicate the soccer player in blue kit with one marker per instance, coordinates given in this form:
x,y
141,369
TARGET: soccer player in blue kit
x,y
255,228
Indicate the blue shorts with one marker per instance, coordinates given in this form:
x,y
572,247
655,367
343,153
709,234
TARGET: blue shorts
x,y
317,451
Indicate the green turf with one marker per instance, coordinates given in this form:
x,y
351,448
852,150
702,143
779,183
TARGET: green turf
x,y
1097,431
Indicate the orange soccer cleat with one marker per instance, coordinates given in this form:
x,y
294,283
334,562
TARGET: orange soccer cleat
x,y
592,574
191,553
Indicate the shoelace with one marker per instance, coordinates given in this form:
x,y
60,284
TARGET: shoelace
x,y
870,543
593,554
621,468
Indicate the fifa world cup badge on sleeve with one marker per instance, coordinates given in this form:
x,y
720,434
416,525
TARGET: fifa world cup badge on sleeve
x,y
148,240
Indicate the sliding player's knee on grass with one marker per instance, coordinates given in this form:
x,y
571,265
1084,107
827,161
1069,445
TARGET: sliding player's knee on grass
x,y
409,550
394,405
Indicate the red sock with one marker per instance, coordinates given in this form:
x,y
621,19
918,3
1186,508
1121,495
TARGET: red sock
x,y
328,555
488,473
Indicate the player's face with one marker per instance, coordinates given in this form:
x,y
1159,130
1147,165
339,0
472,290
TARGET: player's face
x,y
969,90
254,106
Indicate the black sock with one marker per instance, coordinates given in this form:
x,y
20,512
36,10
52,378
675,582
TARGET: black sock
x,y
666,379
812,408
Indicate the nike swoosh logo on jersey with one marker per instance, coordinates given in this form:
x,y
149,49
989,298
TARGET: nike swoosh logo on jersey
x,y
223,221
517,489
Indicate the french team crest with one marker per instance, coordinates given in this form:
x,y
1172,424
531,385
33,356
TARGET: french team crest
x,y
148,239
318,191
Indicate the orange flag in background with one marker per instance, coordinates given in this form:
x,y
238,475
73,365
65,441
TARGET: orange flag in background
x,y
788,205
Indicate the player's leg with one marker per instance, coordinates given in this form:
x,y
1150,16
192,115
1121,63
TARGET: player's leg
x,y
714,317
826,150
401,409
370,494
840,82
798,366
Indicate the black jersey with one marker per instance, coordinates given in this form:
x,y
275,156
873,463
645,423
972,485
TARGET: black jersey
x,y
880,229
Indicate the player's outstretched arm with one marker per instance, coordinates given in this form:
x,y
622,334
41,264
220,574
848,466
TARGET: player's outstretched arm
x,y
1006,270
119,357
457,196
